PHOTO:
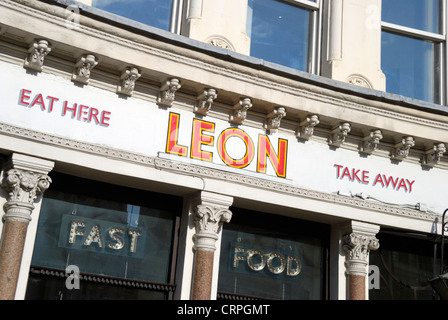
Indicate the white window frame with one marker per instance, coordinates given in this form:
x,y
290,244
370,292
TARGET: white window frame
x,y
439,38
315,33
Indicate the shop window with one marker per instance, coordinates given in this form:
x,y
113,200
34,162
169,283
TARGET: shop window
x,y
412,48
121,242
156,13
272,257
284,32
404,263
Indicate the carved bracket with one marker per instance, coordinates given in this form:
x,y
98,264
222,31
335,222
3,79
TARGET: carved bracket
x,y
338,135
239,111
370,142
306,127
36,55
83,68
433,156
168,92
274,118
204,101
402,149
127,81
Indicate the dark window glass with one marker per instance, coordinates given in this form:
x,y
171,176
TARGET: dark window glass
x,y
280,33
105,230
272,257
405,265
156,13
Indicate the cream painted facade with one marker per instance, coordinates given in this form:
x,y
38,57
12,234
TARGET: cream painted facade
x,y
345,135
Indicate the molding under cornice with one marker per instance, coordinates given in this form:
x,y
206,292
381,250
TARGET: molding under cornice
x,y
210,173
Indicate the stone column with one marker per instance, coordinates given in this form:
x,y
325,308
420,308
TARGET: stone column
x,y
357,245
25,180
210,214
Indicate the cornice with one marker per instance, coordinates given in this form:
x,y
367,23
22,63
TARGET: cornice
x,y
210,173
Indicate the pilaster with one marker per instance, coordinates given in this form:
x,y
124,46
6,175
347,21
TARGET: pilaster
x,y
357,241
25,179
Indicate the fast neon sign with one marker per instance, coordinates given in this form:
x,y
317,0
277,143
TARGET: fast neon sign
x,y
203,134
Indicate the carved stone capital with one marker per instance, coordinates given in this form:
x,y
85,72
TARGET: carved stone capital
x,y
274,118
208,220
204,101
402,149
357,247
127,81
168,92
23,188
433,156
306,127
338,134
83,67
239,112
36,55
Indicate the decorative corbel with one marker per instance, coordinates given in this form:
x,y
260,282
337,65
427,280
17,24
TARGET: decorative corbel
x,y
338,134
274,118
239,111
168,92
370,142
401,150
127,81
357,248
204,101
83,67
36,55
306,127
433,156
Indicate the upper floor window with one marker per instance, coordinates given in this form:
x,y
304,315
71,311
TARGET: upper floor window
x,y
413,36
156,13
285,32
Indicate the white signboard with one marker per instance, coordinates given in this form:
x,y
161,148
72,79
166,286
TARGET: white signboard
x,y
54,105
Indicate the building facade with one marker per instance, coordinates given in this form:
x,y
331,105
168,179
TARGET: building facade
x,y
196,150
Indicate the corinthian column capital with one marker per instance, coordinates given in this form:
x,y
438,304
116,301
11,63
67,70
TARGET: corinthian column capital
x,y
209,215
26,180
357,245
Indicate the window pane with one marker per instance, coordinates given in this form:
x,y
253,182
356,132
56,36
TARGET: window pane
x,y
411,66
417,14
156,13
280,33
274,259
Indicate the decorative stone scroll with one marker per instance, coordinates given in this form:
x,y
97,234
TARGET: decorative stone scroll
x,y
83,68
370,142
338,134
168,92
306,127
402,149
204,101
239,111
274,118
36,55
433,156
128,79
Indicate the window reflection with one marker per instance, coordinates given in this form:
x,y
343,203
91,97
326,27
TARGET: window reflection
x,y
279,33
411,66
418,14
156,13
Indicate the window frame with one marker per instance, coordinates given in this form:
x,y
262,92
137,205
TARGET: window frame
x,y
437,38
315,32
